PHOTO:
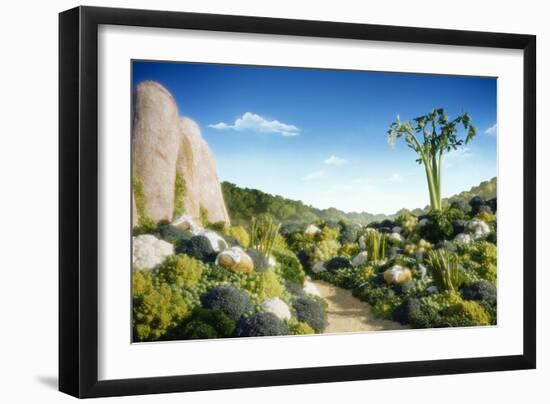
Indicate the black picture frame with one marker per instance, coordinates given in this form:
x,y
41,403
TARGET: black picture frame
x,y
78,201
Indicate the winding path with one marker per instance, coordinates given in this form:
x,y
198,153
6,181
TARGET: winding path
x,y
348,314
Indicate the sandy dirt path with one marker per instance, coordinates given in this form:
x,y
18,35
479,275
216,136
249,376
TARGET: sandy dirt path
x,y
349,314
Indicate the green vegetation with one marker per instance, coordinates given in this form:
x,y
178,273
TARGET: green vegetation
x,y
240,234
263,234
376,245
244,203
145,223
439,226
452,282
179,271
444,268
203,216
203,324
486,190
468,313
180,190
482,291
267,286
407,221
198,247
336,263
300,328
481,258
349,250
311,312
321,251
172,234
291,268
424,277
156,307
233,302
259,325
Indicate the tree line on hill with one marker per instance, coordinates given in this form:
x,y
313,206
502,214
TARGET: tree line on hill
x,y
244,203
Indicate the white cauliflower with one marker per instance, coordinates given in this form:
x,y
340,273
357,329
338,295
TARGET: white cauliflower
x,y
463,238
478,228
271,261
277,307
312,230
311,289
148,252
360,259
397,237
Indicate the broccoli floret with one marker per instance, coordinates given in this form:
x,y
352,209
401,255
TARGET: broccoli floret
x,y
348,234
260,324
336,263
413,312
438,227
461,204
294,289
231,301
481,290
203,324
404,287
291,269
172,234
198,247
311,312
459,226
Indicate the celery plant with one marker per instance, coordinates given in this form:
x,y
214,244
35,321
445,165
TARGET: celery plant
x,y
376,246
444,269
439,135
263,233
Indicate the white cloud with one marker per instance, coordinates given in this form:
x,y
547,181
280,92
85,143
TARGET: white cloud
x,y
457,156
492,130
461,152
220,125
395,178
256,123
314,175
335,161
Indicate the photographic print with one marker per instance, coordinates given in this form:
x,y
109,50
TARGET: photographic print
x,y
285,201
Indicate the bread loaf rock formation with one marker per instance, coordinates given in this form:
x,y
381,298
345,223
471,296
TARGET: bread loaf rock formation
x,y
196,163
163,143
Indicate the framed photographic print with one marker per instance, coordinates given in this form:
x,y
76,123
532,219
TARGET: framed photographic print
x,y
251,201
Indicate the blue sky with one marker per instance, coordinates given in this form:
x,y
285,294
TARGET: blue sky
x,y
319,136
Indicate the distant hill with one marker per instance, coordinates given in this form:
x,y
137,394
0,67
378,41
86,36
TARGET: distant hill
x,y
485,190
243,203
